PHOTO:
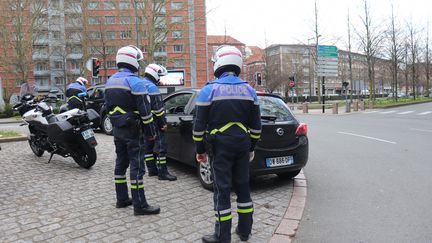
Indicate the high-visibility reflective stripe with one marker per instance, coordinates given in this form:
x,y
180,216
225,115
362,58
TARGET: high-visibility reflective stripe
x,y
228,125
160,114
147,117
255,131
162,162
255,136
117,109
136,186
245,210
74,97
120,181
203,103
158,111
117,87
198,133
148,122
233,98
135,182
224,218
120,176
149,158
224,211
197,139
139,93
247,204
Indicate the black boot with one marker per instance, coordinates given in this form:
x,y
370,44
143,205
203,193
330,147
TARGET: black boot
x,y
210,239
153,173
123,204
242,237
167,177
147,210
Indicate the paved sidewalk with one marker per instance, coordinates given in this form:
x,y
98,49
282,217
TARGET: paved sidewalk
x,y
9,120
60,202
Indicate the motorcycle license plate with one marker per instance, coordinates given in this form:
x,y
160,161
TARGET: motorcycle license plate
x,y
87,134
279,161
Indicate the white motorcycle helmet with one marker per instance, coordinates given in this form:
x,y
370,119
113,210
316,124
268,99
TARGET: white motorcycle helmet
x,y
129,55
156,71
82,81
227,58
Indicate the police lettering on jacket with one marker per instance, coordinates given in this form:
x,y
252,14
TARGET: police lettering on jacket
x,y
227,106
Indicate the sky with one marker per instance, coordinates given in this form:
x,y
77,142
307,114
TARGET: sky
x,y
266,22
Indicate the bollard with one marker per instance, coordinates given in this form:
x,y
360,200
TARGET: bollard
x,y
362,105
335,108
305,108
371,105
356,106
348,107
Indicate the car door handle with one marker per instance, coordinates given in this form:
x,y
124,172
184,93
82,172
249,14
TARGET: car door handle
x,y
175,124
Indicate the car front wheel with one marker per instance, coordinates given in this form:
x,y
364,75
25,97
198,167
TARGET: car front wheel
x,y
204,171
106,125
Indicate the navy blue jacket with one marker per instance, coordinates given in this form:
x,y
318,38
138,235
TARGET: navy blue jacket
x,y
72,91
127,98
227,106
156,103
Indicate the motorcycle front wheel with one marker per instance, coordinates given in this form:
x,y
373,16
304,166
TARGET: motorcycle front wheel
x,y
35,148
85,156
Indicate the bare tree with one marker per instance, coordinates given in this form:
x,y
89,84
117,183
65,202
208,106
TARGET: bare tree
x,y
350,56
413,57
20,21
427,94
370,41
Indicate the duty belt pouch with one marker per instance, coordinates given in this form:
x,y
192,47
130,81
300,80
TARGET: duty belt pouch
x,y
133,122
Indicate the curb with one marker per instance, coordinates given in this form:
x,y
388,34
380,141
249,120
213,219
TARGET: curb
x,y
10,122
289,224
14,139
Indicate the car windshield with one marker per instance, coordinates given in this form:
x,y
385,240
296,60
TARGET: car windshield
x,y
273,108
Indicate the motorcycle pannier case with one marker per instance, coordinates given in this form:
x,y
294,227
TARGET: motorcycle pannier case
x,y
60,131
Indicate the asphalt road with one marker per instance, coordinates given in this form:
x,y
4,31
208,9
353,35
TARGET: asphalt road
x,y
369,177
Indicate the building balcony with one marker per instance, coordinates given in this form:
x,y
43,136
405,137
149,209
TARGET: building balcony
x,y
74,71
40,56
160,54
41,72
75,56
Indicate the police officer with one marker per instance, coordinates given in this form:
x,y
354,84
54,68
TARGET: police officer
x,y
129,105
72,91
156,150
227,113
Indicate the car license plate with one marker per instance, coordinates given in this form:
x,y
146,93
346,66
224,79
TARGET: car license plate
x,y
279,161
87,134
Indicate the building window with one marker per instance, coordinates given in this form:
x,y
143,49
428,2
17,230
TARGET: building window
x,y
42,81
109,5
124,5
55,4
58,65
93,20
59,80
95,35
139,5
110,49
56,35
160,22
178,48
177,34
141,20
125,34
74,65
111,64
125,20
176,19
179,63
176,5
161,48
75,7
110,20
93,5
110,35
42,66
96,50
76,49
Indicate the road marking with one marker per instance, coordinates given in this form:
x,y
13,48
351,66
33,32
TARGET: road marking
x,y
362,136
421,130
369,112
424,113
387,112
405,112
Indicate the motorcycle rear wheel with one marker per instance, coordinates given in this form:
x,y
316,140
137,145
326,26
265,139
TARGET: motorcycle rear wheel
x,y
86,155
36,150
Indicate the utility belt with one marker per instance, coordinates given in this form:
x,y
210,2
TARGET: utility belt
x,y
122,118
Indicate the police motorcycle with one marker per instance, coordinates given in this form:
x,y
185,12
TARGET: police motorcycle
x,y
66,134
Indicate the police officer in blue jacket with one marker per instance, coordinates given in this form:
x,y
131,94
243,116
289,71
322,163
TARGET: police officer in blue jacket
x,y
72,91
127,100
228,117
156,150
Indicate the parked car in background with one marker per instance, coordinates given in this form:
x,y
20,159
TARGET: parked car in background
x,y
96,101
282,150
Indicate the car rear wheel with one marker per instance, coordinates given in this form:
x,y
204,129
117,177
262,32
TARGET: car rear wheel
x,y
106,125
289,175
205,174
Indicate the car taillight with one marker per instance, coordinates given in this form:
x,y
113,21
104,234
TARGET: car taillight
x,y
302,130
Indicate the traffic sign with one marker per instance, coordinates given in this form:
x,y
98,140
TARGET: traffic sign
x,y
291,84
327,61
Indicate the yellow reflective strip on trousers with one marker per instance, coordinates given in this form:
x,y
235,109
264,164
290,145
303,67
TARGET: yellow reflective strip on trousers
x,y
120,181
159,114
74,97
117,109
197,139
224,218
245,210
148,121
255,136
136,186
162,162
149,158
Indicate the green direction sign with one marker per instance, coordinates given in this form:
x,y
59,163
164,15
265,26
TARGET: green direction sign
x,y
327,51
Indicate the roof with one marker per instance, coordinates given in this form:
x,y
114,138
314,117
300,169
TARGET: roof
x,y
256,55
223,39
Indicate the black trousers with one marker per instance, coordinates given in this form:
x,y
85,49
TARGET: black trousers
x,y
230,169
156,151
129,149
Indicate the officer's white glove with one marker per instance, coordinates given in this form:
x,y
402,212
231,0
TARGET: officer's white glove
x,y
251,156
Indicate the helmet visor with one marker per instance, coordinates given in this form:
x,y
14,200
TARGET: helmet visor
x,y
140,54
